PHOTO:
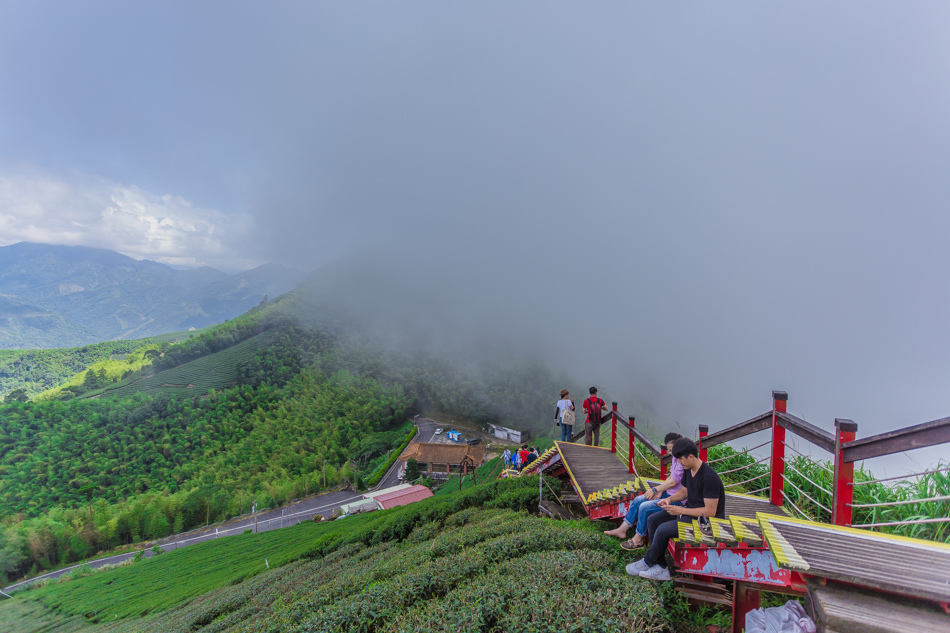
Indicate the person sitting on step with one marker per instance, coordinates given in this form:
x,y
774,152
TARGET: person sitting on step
x,y
647,504
705,497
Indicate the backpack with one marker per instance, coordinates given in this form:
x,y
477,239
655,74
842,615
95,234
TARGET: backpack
x,y
594,412
567,416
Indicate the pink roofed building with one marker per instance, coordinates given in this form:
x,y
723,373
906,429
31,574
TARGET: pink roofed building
x,y
403,497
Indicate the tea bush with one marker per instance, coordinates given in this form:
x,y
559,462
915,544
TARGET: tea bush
x,y
437,565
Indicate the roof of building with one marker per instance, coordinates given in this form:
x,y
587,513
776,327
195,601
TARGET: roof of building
x,y
434,453
507,428
403,497
385,491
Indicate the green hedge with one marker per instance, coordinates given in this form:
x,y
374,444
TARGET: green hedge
x,y
384,467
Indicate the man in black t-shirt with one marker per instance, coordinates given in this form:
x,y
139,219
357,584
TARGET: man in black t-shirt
x,y
705,496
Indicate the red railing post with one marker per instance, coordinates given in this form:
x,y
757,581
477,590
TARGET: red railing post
x,y
703,432
845,431
613,427
663,472
777,481
631,449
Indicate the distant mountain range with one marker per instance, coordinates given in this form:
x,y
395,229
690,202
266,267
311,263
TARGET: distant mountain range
x,y
66,296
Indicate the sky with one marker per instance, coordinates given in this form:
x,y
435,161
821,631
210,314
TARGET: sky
x,y
690,204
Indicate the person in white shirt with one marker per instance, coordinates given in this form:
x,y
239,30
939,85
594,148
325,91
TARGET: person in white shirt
x,y
566,422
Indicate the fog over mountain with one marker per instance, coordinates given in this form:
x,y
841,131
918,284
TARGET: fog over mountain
x,y
689,205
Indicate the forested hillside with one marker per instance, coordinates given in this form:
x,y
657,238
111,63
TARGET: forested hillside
x,y
263,408
57,296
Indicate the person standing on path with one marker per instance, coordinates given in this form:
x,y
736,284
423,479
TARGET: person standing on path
x,y
564,415
594,406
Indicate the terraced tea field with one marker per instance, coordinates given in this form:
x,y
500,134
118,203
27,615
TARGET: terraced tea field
x,y
470,561
215,371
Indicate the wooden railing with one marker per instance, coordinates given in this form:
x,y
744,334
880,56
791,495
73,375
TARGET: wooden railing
x,y
842,445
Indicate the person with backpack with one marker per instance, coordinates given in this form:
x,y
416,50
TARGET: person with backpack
x,y
564,415
594,406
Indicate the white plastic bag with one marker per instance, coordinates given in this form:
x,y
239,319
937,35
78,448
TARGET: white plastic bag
x,y
789,618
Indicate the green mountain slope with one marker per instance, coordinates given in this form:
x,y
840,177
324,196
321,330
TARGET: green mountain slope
x,y
78,295
36,371
214,371
468,561
261,408
23,325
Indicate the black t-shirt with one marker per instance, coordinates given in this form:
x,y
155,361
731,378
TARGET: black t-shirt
x,y
705,484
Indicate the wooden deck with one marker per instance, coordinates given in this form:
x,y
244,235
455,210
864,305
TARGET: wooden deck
x,y
594,470
841,608
894,564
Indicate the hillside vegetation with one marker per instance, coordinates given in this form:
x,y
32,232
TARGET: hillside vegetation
x,y
263,408
474,560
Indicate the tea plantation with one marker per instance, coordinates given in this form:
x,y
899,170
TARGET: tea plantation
x,y
475,560
215,371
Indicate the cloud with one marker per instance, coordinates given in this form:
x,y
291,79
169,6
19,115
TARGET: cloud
x,y
90,211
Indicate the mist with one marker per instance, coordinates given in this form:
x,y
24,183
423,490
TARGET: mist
x,y
688,206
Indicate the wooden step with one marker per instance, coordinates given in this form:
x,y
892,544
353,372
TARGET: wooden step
x,y
554,511
746,530
702,591
722,531
685,532
843,609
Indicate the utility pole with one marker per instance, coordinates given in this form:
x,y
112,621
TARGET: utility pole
x,y
254,510
324,474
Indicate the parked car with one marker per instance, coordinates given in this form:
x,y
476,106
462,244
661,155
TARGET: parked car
x,y
475,441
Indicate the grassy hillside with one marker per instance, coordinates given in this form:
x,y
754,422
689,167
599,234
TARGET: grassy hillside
x,y
214,371
260,408
473,560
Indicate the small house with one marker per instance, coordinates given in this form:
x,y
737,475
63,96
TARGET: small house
x,y
441,460
512,435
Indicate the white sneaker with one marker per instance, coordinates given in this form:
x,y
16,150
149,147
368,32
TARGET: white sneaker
x,y
656,573
635,568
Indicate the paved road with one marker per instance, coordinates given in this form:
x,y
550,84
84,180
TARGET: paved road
x,y
286,516
426,432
